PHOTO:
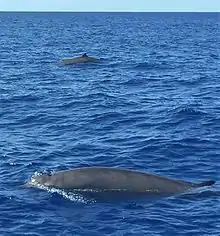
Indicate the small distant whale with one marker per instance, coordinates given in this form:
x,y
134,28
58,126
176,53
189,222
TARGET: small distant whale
x,y
82,59
113,179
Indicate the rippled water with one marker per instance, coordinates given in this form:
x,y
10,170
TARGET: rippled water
x,y
152,105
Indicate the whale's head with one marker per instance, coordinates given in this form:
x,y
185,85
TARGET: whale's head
x,y
42,180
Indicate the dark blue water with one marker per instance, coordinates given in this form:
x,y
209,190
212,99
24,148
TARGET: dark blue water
x,y
152,105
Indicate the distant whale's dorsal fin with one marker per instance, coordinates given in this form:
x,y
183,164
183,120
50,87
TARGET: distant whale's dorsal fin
x,y
84,55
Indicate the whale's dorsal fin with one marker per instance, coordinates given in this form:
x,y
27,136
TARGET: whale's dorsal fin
x,y
84,55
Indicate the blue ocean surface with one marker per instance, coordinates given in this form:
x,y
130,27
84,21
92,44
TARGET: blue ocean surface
x,y
152,105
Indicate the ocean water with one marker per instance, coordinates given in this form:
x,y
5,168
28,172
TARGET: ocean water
x,y
153,105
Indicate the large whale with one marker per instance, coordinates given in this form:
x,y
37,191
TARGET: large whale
x,y
82,59
113,179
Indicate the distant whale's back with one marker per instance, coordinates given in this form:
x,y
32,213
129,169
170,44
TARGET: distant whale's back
x,y
79,60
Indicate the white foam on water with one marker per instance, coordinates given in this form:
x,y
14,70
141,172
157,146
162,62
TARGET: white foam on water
x,y
72,196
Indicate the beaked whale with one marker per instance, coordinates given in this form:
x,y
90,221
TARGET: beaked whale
x,y
82,59
113,179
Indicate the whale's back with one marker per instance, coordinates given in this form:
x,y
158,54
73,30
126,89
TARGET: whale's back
x,y
79,60
101,178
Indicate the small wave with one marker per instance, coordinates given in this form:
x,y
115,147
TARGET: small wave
x,y
25,97
19,98
98,95
215,56
202,194
187,111
135,82
151,66
110,116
